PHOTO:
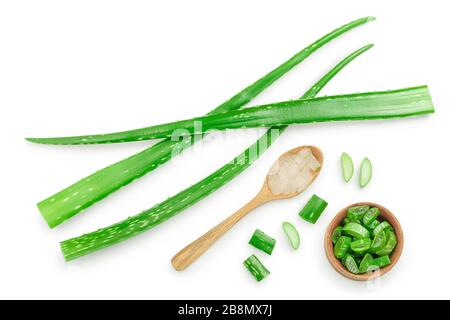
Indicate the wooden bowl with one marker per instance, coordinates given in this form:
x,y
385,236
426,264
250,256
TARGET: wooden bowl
x,y
385,214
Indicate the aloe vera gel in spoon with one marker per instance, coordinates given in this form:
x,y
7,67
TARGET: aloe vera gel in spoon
x,y
293,173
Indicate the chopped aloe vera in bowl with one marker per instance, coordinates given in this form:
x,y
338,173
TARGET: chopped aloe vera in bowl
x,y
363,243
292,234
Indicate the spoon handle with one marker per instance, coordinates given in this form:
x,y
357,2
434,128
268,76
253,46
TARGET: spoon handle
x,y
193,251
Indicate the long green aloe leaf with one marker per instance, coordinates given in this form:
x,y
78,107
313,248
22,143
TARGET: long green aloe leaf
x,y
63,205
91,242
360,106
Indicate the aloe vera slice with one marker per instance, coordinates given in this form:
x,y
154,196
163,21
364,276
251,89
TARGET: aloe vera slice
x,y
355,230
292,234
342,247
365,263
370,216
337,233
365,172
350,264
81,195
381,262
83,245
383,226
262,241
355,214
256,268
373,225
347,166
361,245
390,245
379,241
313,209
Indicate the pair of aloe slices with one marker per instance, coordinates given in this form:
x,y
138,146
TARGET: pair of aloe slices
x,y
365,171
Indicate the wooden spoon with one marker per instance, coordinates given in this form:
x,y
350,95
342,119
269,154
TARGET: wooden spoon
x,y
189,254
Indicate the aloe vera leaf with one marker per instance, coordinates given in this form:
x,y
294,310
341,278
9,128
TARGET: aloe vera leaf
x,y
365,172
347,166
63,205
361,106
148,219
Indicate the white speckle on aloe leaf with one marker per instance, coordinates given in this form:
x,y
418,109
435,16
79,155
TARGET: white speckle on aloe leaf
x,y
66,199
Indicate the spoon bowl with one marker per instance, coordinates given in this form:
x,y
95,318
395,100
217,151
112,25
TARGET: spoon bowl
x,y
385,215
316,152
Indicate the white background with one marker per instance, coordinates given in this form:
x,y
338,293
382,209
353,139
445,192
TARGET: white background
x,y
76,67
